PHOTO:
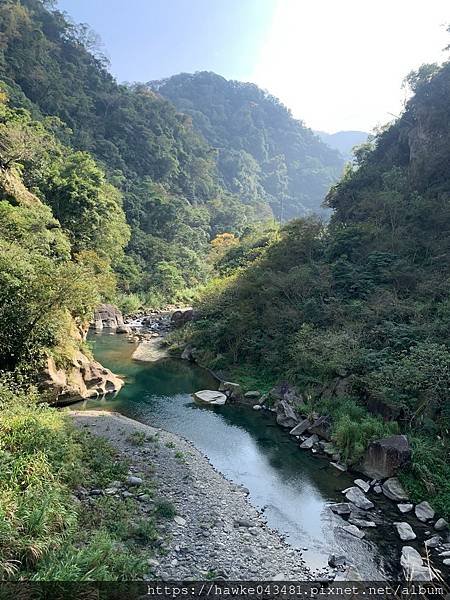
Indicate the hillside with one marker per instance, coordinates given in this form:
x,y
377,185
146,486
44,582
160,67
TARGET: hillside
x,y
343,141
264,154
360,307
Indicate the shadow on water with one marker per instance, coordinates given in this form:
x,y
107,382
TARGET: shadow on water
x,y
293,487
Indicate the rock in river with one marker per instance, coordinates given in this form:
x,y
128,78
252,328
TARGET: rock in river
x,y
412,565
405,531
353,530
362,484
392,489
384,457
424,512
210,397
309,443
150,351
405,508
343,508
286,416
355,495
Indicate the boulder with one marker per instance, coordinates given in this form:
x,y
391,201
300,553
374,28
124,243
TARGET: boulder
x,y
343,508
109,316
392,489
405,531
362,484
424,512
412,565
384,457
210,397
181,317
252,395
81,379
355,495
353,530
309,443
321,426
361,522
301,427
234,389
441,525
433,542
286,417
405,508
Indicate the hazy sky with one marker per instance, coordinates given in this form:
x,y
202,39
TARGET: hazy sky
x,y
338,64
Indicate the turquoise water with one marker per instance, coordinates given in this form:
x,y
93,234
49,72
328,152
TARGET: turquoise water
x,y
292,486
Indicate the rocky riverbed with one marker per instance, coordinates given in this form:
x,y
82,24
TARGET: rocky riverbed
x,y
216,532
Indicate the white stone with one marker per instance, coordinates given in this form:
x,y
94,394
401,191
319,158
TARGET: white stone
x,y
355,495
441,524
353,530
179,520
210,397
362,484
424,512
405,531
392,489
405,508
309,443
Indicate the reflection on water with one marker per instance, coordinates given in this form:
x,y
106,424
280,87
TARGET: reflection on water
x,y
293,487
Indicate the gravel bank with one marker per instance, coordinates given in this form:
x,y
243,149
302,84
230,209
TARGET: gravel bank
x,y
217,532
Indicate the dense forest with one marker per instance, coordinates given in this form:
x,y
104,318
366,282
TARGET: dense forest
x,y
360,306
265,156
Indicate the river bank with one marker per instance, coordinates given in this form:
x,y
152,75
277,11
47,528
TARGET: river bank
x,y
216,531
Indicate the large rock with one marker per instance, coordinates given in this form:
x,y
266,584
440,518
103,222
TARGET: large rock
x,y
81,379
355,495
384,457
321,426
181,317
232,390
210,397
405,531
286,416
309,443
343,508
424,512
107,316
353,530
392,489
412,565
441,524
301,427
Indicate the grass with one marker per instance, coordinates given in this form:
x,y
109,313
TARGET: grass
x,y
165,508
137,438
46,533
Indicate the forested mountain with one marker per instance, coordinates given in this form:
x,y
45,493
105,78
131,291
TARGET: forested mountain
x,y
361,306
165,171
265,156
344,141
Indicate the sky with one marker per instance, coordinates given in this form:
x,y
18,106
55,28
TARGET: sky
x,y
337,64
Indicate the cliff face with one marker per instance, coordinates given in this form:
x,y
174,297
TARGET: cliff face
x,y
83,378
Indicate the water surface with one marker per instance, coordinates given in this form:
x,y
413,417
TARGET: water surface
x,y
294,487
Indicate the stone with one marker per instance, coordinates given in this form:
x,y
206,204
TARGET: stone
x,y
134,481
123,329
309,443
243,523
361,522
179,520
405,531
321,426
181,317
210,397
338,466
355,495
353,530
385,457
405,508
441,524
412,565
342,508
234,389
362,484
377,489
301,427
446,562
392,489
335,562
252,394
257,407
423,511
433,542
109,316
286,416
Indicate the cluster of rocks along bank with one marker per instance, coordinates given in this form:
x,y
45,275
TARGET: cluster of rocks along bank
x,y
382,460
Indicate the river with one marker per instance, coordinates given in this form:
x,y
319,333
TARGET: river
x,y
293,487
